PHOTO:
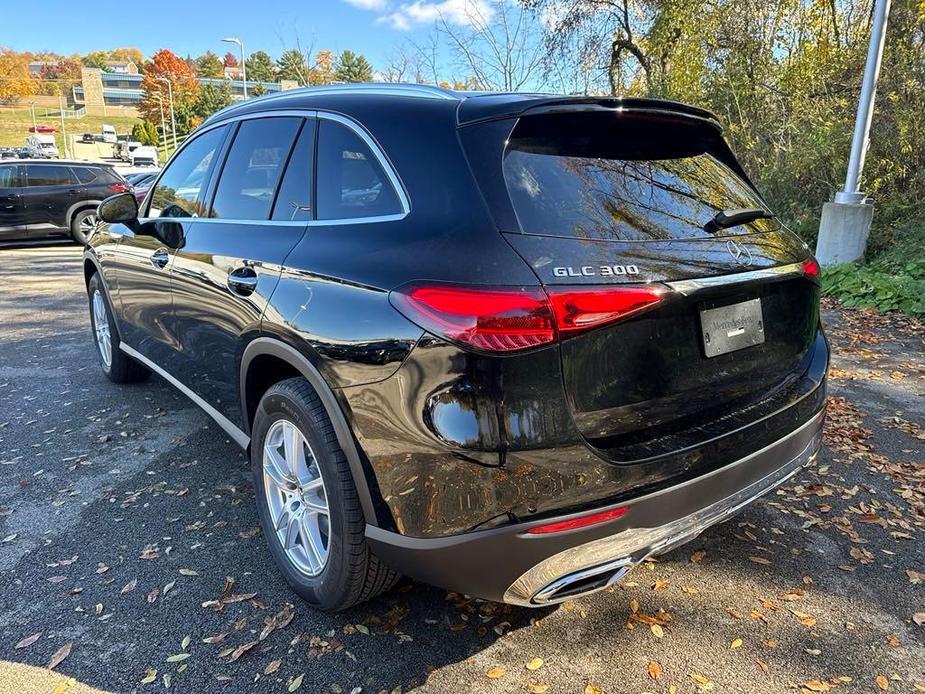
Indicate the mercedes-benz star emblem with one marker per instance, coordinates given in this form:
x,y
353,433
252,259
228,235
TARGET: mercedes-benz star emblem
x,y
739,253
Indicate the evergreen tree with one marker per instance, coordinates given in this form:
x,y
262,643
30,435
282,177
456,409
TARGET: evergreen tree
x,y
353,68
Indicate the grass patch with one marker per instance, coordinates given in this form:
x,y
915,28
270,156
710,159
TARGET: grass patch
x,y
15,124
894,280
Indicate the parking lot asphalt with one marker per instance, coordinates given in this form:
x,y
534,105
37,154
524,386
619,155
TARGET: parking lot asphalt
x,y
130,552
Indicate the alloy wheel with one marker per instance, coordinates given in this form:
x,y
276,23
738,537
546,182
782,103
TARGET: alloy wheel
x,y
88,224
101,328
296,497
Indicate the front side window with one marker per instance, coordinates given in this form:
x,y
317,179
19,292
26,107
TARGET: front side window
x,y
253,167
351,182
179,191
46,175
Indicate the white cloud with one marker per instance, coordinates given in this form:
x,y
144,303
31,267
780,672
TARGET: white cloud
x,y
372,5
463,12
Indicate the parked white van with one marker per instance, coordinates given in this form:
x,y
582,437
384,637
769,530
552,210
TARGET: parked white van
x,y
144,156
42,147
109,133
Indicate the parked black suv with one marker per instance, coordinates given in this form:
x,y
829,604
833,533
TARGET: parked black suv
x,y
42,198
507,344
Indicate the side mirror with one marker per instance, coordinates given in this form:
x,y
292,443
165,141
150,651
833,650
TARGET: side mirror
x,y
121,208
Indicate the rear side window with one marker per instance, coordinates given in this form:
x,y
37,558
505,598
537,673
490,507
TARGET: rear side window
x,y
45,175
85,175
622,178
178,193
351,182
253,168
8,177
294,200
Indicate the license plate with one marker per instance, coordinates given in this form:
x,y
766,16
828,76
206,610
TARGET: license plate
x,y
729,328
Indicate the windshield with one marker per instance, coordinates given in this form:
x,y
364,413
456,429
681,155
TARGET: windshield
x,y
623,178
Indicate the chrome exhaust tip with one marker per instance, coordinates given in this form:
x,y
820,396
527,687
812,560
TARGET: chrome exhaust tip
x,y
583,582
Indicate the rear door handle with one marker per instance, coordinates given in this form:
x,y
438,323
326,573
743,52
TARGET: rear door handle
x,y
242,281
160,258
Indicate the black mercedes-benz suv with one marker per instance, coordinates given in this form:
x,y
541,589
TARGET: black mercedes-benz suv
x,y
42,198
507,344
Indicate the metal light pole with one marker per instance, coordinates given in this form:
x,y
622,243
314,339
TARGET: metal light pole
x,y
845,222
32,107
67,150
173,121
160,102
235,39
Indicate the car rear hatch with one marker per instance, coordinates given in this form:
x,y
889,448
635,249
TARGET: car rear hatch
x,y
615,198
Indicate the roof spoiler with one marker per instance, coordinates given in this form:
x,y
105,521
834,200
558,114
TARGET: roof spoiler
x,y
485,108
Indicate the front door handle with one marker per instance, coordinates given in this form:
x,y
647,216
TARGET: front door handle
x,y
160,258
242,281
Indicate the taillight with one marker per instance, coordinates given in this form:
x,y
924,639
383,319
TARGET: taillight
x,y
493,320
120,187
510,319
582,309
810,269
580,522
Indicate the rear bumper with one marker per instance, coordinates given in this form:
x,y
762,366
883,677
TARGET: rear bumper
x,y
509,565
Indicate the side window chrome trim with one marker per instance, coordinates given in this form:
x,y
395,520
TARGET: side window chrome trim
x,y
349,123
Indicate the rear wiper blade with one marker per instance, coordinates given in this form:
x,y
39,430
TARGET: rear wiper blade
x,y
730,218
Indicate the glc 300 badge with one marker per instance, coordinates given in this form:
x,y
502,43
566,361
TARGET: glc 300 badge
x,y
591,271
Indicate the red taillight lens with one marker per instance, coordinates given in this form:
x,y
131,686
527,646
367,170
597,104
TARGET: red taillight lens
x,y
493,320
582,309
580,522
811,269
509,319
120,187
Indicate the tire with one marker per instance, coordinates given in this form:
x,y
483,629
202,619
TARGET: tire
x,y
82,225
350,573
118,366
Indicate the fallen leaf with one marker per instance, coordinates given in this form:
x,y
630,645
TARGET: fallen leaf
x,y
129,587
150,676
915,577
698,556
919,618
657,630
296,683
60,655
535,664
655,670
29,640
188,572
736,643
593,689
178,657
817,686
272,667
883,682
496,672
537,688
760,560
241,650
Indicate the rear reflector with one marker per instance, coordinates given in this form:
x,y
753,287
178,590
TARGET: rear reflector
x,y
580,522
509,319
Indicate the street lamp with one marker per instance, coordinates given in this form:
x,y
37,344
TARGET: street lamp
x,y
235,39
173,121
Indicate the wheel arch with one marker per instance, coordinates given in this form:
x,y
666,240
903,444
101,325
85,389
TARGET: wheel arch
x,y
267,352
79,207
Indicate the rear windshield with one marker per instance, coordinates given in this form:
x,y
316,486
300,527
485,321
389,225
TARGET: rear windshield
x,y
623,177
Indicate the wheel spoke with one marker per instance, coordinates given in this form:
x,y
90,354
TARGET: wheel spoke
x,y
295,454
275,467
292,530
311,539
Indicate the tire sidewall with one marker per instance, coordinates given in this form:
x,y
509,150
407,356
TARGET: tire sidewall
x,y
96,285
328,589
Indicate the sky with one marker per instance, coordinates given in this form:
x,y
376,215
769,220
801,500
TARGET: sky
x,y
370,27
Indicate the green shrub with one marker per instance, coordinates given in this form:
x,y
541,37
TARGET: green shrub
x,y
886,287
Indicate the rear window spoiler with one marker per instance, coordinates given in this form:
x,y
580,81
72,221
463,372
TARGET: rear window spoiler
x,y
485,108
